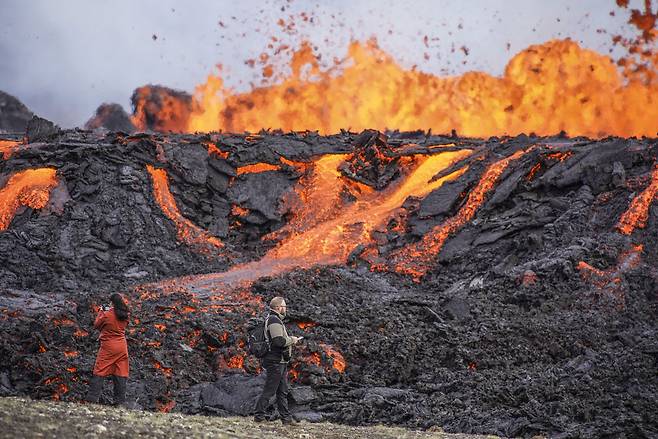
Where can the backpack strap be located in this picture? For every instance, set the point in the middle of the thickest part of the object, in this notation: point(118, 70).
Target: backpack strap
point(266, 329)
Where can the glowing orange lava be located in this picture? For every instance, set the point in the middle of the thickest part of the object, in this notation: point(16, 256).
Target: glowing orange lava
point(30, 188)
point(416, 259)
point(323, 229)
point(533, 171)
point(337, 359)
point(236, 362)
point(610, 280)
point(166, 371)
point(80, 333)
point(637, 214)
point(165, 407)
point(214, 150)
point(61, 390)
point(188, 232)
point(7, 147)
point(545, 89)
point(314, 358)
point(257, 168)
point(351, 225)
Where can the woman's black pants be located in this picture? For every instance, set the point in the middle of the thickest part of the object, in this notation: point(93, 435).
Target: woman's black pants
point(96, 387)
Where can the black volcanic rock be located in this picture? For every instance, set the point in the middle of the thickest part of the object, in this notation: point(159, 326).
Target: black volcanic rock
point(14, 116)
point(111, 117)
point(538, 317)
point(373, 162)
point(40, 130)
point(159, 108)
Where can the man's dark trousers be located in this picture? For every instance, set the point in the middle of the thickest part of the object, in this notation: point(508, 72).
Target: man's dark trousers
point(276, 381)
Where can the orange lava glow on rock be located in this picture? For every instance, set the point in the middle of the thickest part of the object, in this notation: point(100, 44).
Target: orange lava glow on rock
point(193, 337)
point(236, 362)
point(257, 168)
point(314, 358)
point(637, 214)
point(304, 325)
point(416, 259)
point(7, 147)
point(300, 166)
point(80, 333)
point(166, 371)
point(239, 211)
point(188, 232)
point(338, 361)
point(312, 240)
point(160, 327)
point(546, 88)
point(533, 171)
point(610, 280)
point(560, 156)
point(61, 390)
point(324, 229)
point(165, 407)
point(213, 150)
point(294, 374)
point(71, 354)
point(30, 188)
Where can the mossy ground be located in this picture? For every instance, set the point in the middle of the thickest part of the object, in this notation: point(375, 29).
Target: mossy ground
point(25, 418)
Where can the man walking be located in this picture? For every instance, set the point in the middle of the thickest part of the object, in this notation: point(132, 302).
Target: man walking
point(275, 363)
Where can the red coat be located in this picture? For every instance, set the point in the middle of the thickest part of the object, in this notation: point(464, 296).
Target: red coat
point(112, 358)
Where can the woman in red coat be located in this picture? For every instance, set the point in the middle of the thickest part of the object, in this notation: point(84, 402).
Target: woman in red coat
point(112, 358)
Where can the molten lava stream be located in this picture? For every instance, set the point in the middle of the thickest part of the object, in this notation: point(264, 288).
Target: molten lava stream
point(416, 259)
point(638, 212)
point(318, 197)
point(344, 228)
point(30, 188)
point(188, 233)
point(610, 280)
point(257, 168)
point(7, 148)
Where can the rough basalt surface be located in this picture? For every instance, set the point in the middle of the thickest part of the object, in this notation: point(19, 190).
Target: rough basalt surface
point(14, 115)
point(508, 333)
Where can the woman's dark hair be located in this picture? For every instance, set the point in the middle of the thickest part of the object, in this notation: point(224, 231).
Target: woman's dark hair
point(120, 308)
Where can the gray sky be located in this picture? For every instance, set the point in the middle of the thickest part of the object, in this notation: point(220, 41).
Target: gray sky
point(63, 58)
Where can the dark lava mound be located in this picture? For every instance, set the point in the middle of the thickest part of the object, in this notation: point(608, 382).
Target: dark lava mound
point(504, 286)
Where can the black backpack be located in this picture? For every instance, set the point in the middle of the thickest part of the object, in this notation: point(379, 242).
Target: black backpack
point(258, 342)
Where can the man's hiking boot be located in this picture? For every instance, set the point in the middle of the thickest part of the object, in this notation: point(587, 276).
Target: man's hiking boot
point(260, 419)
point(289, 421)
